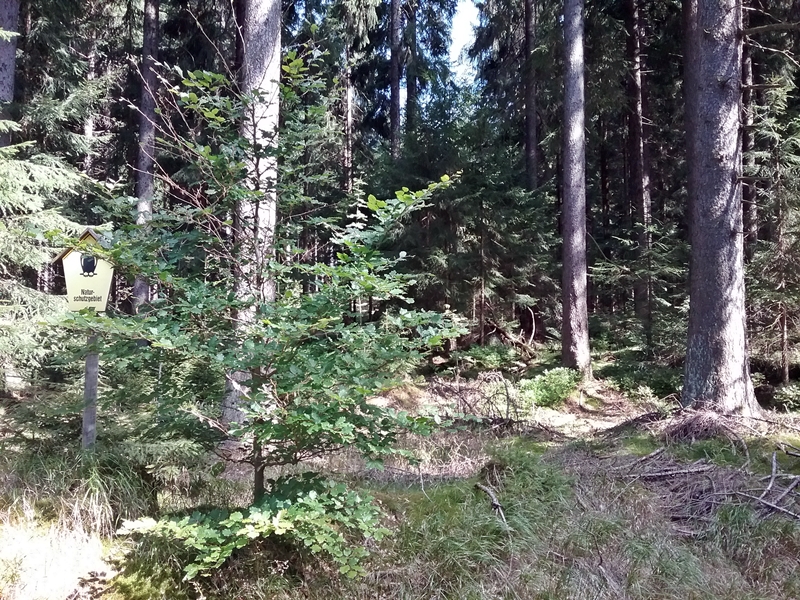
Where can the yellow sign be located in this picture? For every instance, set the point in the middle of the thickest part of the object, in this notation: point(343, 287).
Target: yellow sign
point(88, 277)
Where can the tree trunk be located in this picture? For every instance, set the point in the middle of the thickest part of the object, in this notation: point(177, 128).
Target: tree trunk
point(575, 326)
point(347, 149)
point(145, 160)
point(9, 17)
point(531, 141)
point(783, 259)
point(255, 217)
point(394, 80)
point(605, 185)
point(412, 90)
point(482, 306)
point(639, 169)
point(88, 124)
point(785, 350)
point(717, 372)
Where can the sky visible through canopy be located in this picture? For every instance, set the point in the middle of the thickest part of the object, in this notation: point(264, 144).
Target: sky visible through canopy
point(464, 23)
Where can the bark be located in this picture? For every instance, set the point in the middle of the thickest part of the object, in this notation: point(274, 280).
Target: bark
point(347, 150)
point(412, 90)
point(605, 185)
point(394, 80)
point(482, 307)
point(145, 160)
point(602, 299)
point(575, 326)
point(785, 350)
point(255, 217)
point(783, 261)
point(9, 17)
point(717, 372)
point(639, 175)
point(88, 124)
point(531, 141)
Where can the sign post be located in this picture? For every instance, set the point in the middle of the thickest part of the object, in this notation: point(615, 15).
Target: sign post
point(91, 376)
point(88, 279)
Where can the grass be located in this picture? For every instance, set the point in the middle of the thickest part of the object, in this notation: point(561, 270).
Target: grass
point(45, 562)
point(577, 525)
point(575, 528)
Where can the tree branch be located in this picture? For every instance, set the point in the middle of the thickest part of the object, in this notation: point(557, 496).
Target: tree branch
point(496, 506)
point(770, 28)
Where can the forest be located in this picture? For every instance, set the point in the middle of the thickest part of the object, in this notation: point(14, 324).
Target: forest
point(377, 299)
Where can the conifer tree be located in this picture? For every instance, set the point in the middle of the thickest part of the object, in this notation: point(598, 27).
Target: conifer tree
point(9, 15)
point(575, 324)
point(717, 373)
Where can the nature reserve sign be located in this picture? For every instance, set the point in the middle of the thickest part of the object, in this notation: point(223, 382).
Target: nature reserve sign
point(88, 277)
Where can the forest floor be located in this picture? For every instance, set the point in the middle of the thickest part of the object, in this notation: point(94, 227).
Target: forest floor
point(608, 496)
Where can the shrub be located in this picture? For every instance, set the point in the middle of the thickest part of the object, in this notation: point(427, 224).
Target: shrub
point(550, 388)
point(308, 511)
point(787, 397)
point(489, 358)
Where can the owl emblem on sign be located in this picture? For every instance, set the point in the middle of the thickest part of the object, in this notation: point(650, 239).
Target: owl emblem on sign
point(88, 265)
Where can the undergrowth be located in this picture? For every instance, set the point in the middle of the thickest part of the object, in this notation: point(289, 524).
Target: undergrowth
point(571, 527)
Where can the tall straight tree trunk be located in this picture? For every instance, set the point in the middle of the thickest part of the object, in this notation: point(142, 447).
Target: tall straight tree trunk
point(783, 316)
point(639, 169)
point(255, 217)
point(394, 80)
point(145, 158)
point(412, 87)
point(531, 140)
point(605, 185)
point(347, 149)
point(717, 372)
point(88, 124)
point(575, 326)
point(9, 17)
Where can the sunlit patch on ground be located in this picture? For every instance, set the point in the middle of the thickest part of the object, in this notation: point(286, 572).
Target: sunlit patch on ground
point(46, 562)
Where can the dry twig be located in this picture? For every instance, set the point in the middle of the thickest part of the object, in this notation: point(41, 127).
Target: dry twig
point(630, 465)
point(769, 504)
point(495, 503)
point(788, 489)
point(772, 478)
point(670, 473)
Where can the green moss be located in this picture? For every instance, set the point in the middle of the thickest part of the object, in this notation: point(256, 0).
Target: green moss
point(731, 453)
point(640, 444)
point(723, 452)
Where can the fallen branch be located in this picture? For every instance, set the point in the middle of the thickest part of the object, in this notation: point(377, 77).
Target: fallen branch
point(495, 503)
point(639, 460)
point(772, 478)
point(763, 420)
point(769, 504)
point(513, 340)
point(689, 532)
point(795, 451)
point(788, 489)
point(659, 474)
